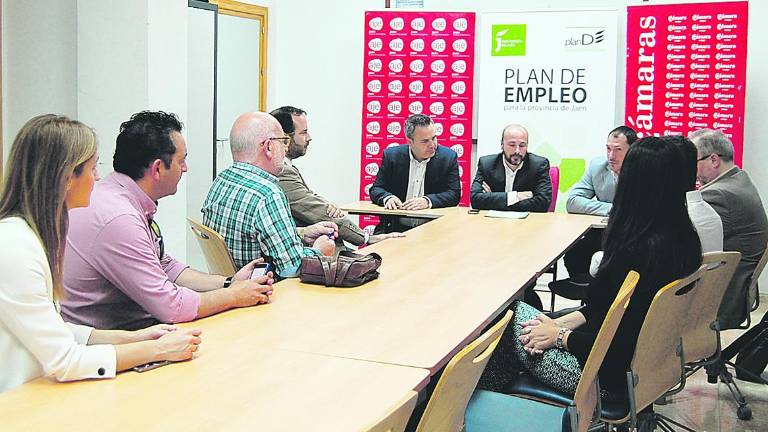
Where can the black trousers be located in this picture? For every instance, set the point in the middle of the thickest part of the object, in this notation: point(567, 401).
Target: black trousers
point(390, 224)
point(750, 338)
point(577, 259)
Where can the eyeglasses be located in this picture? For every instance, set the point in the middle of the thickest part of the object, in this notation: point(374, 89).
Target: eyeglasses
point(158, 236)
point(285, 139)
point(707, 157)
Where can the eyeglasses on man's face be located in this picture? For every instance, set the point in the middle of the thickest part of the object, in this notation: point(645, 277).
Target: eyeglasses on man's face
point(707, 157)
point(285, 139)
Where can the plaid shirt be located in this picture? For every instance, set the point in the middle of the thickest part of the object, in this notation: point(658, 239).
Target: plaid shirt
point(248, 208)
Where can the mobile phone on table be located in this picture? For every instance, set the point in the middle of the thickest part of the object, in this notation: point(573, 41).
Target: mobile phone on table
point(260, 270)
point(473, 211)
point(149, 366)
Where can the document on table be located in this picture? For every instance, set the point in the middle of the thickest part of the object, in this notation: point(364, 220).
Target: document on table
point(506, 214)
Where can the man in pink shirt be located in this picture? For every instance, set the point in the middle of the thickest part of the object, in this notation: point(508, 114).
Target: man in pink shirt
point(117, 274)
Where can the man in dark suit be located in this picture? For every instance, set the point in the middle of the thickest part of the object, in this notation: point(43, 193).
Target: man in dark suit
point(420, 175)
point(513, 179)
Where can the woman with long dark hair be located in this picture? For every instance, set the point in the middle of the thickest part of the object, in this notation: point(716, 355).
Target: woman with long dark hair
point(648, 231)
point(52, 168)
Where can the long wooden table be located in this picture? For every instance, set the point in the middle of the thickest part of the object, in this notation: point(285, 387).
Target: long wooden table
point(319, 358)
point(231, 386)
point(438, 288)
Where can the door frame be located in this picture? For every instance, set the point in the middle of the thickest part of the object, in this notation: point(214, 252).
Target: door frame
point(197, 4)
point(258, 13)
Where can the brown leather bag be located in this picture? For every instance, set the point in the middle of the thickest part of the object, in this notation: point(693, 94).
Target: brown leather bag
point(347, 270)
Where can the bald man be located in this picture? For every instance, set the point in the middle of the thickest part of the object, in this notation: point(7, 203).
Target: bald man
point(249, 209)
point(514, 179)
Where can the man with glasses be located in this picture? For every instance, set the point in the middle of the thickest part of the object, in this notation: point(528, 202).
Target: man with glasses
point(421, 175)
point(514, 179)
point(117, 273)
point(307, 206)
point(731, 193)
point(247, 207)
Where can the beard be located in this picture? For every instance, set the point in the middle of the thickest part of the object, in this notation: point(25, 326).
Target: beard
point(295, 150)
point(515, 159)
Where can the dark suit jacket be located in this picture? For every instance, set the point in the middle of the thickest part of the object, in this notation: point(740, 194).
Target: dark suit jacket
point(745, 229)
point(441, 181)
point(533, 176)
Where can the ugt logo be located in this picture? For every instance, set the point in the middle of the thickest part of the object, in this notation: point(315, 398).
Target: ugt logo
point(508, 40)
point(585, 39)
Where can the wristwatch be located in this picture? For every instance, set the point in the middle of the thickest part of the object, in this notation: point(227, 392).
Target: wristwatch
point(560, 335)
point(228, 282)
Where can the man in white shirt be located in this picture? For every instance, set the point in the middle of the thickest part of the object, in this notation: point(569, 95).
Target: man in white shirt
point(420, 175)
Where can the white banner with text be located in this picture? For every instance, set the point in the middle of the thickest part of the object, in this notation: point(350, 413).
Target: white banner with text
point(554, 72)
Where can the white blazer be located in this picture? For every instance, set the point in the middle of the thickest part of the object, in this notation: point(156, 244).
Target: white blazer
point(34, 339)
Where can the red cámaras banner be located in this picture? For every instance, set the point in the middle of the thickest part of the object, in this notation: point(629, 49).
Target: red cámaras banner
point(686, 69)
point(416, 63)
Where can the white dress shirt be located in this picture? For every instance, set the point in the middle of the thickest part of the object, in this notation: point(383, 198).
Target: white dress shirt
point(416, 172)
point(509, 183)
point(34, 340)
point(705, 220)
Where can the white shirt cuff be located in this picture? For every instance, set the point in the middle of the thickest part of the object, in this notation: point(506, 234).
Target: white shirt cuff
point(96, 361)
point(512, 198)
point(597, 258)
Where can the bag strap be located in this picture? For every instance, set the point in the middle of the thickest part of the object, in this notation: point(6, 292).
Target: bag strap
point(328, 272)
point(342, 270)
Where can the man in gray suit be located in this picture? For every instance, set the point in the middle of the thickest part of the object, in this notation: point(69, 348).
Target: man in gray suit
point(307, 207)
point(593, 195)
point(731, 193)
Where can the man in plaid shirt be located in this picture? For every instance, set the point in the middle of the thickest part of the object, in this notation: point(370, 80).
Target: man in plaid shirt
point(247, 207)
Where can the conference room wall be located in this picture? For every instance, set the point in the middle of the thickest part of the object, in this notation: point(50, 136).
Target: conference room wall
point(132, 56)
point(98, 61)
point(39, 62)
point(315, 62)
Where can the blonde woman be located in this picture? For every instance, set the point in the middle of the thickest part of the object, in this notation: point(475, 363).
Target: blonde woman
point(52, 168)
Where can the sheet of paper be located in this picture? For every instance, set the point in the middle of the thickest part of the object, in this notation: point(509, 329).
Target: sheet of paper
point(507, 214)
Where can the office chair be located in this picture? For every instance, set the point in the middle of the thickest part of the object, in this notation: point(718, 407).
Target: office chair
point(542, 409)
point(445, 410)
point(217, 256)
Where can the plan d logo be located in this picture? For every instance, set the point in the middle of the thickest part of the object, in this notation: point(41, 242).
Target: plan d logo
point(585, 39)
point(508, 40)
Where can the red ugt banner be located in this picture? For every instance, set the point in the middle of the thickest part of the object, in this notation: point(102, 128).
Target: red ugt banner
point(686, 69)
point(416, 62)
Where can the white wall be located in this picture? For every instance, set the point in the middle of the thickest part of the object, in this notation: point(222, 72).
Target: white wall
point(317, 64)
point(39, 62)
point(132, 57)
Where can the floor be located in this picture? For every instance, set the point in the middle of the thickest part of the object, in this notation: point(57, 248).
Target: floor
point(703, 406)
